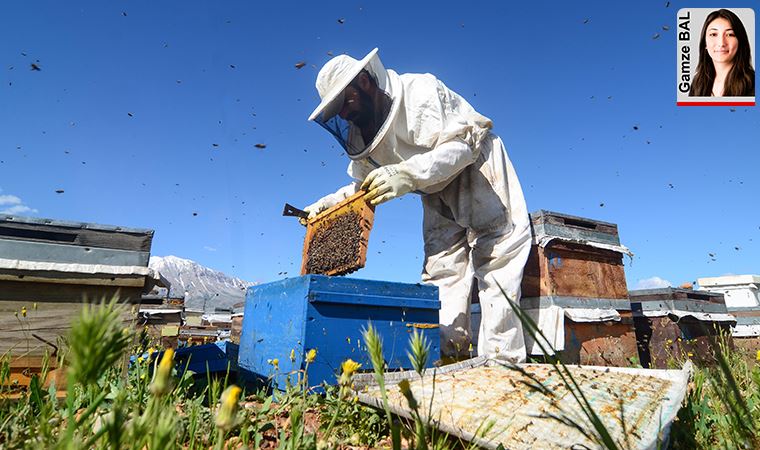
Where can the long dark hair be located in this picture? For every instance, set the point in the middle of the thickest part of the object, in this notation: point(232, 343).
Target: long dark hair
point(740, 80)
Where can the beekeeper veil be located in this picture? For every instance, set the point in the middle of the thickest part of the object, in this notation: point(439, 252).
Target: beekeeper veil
point(359, 119)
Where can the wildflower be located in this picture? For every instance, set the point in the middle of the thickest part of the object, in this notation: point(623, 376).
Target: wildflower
point(292, 355)
point(140, 359)
point(669, 341)
point(151, 350)
point(162, 378)
point(406, 390)
point(348, 367)
point(275, 363)
point(758, 356)
point(312, 354)
point(226, 417)
point(23, 311)
point(689, 354)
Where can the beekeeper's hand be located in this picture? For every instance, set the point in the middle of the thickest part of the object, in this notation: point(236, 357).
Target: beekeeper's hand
point(315, 208)
point(386, 183)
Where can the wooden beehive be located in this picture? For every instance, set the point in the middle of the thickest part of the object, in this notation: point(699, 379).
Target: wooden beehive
point(572, 265)
point(673, 324)
point(365, 214)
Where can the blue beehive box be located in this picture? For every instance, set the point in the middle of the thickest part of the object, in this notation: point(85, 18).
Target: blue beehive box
point(328, 314)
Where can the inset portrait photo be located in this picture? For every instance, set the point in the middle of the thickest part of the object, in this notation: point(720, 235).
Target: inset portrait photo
point(715, 50)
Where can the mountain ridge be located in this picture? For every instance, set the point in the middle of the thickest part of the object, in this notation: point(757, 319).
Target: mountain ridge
point(203, 288)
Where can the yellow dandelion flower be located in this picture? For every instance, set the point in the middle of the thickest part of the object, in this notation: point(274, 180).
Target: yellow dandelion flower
point(162, 377)
point(275, 363)
point(311, 355)
point(23, 311)
point(140, 359)
point(349, 366)
point(227, 415)
point(689, 354)
point(293, 355)
point(151, 350)
point(669, 341)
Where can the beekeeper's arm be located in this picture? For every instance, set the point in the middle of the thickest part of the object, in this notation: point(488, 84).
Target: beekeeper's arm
point(439, 119)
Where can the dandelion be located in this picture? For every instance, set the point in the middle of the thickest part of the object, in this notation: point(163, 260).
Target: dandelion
point(406, 391)
point(140, 359)
point(669, 341)
point(275, 363)
point(758, 356)
point(689, 354)
point(162, 378)
point(311, 355)
point(292, 355)
point(151, 350)
point(226, 418)
point(23, 311)
point(348, 367)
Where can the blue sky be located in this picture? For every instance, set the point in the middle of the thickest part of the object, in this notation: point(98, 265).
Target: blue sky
point(147, 113)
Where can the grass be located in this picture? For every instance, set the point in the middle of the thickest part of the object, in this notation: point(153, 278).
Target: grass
point(149, 407)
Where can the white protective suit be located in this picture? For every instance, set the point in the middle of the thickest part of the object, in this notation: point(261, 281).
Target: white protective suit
point(475, 219)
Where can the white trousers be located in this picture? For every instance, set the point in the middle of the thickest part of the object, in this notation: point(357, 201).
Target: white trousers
point(477, 228)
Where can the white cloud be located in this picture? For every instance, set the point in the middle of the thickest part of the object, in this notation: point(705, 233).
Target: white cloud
point(9, 200)
point(653, 283)
point(11, 204)
point(211, 249)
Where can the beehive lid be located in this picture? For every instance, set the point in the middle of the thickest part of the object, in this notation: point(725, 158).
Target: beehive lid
point(729, 281)
point(489, 404)
point(553, 224)
point(336, 239)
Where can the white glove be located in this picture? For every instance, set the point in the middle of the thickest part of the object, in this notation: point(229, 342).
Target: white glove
point(314, 209)
point(387, 182)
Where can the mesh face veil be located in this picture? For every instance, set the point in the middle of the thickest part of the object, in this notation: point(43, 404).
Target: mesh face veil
point(372, 112)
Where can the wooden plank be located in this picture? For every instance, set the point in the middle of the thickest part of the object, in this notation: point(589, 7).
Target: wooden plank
point(40, 330)
point(236, 329)
point(52, 292)
point(43, 251)
point(81, 234)
point(38, 276)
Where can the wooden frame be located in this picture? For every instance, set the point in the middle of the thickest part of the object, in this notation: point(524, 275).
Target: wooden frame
point(356, 203)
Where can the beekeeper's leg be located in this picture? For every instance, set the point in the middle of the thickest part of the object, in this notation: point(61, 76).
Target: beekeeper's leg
point(447, 266)
point(500, 238)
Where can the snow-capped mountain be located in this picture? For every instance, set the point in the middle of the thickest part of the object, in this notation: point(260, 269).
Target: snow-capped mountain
point(204, 287)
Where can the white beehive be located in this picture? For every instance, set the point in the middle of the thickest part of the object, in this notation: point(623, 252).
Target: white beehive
point(740, 291)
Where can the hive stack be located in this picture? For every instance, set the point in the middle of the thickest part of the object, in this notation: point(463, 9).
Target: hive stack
point(742, 297)
point(49, 267)
point(574, 288)
point(675, 324)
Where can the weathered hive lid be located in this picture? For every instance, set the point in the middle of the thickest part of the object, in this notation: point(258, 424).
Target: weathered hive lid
point(640, 295)
point(550, 224)
point(7, 219)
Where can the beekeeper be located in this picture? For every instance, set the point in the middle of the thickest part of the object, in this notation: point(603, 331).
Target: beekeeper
point(410, 133)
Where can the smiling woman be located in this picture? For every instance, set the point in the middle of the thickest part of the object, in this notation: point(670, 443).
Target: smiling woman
point(725, 58)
